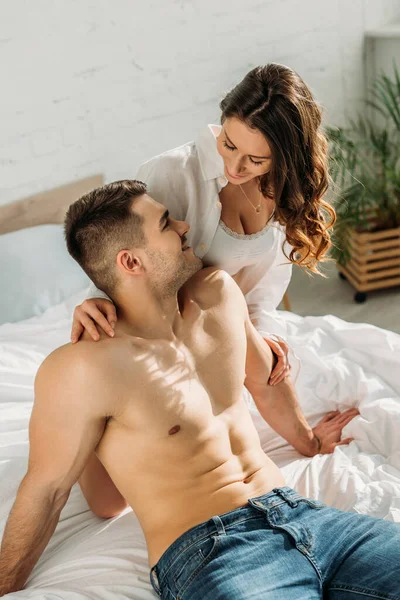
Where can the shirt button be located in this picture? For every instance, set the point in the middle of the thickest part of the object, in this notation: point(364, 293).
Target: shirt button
point(218, 205)
point(222, 180)
point(202, 246)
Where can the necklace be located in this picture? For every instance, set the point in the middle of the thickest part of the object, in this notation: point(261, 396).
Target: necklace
point(256, 208)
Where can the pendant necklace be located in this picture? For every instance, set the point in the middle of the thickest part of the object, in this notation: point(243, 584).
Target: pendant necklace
point(256, 208)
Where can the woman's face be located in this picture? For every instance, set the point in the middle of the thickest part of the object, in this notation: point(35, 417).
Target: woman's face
point(245, 151)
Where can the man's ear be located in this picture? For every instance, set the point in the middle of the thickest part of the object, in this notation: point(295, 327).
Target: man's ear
point(129, 262)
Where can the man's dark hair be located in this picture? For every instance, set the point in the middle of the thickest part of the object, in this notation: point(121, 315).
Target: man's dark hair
point(100, 224)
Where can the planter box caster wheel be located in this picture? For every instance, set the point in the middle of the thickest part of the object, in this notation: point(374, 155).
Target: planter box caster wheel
point(342, 276)
point(360, 297)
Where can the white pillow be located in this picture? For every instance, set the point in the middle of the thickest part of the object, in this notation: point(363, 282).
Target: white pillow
point(36, 272)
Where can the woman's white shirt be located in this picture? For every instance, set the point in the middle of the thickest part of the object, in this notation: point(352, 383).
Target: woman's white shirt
point(187, 181)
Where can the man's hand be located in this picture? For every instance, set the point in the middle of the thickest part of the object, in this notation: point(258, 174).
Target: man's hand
point(282, 368)
point(329, 429)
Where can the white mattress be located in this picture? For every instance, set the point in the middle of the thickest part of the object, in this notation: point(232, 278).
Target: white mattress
point(343, 365)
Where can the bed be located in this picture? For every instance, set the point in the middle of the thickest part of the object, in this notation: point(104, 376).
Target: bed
point(343, 365)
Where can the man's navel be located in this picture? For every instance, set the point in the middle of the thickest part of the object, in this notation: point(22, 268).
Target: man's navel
point(174, 429)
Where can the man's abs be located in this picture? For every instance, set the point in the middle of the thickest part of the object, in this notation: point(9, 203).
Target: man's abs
point(176, 481)
point(178, 512)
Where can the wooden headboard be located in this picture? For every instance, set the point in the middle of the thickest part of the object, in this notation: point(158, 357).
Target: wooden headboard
point(46, 207)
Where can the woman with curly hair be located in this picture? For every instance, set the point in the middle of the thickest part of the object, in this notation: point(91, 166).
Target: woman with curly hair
point(252, 190)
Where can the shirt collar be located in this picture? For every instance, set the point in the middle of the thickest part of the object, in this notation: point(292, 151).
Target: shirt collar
point(211, 162)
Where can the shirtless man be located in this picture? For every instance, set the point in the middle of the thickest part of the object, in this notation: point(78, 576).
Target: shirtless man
point(154, 418)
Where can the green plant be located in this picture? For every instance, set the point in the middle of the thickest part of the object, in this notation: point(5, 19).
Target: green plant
point(365, 166)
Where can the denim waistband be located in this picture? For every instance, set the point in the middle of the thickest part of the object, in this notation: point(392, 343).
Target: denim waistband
point(217, 525)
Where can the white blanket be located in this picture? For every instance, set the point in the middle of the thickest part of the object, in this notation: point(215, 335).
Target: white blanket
point(343, 365)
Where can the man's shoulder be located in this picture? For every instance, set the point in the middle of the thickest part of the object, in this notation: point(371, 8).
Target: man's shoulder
point(87, 374)
point(212, 286)
point(210, 276)
point(77, 363)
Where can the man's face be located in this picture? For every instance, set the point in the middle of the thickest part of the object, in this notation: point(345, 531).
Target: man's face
point(168, 258)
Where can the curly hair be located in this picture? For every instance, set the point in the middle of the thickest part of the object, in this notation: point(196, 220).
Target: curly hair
point(276, 101)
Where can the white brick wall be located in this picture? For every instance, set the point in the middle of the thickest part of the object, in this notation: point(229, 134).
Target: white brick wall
point(101, 85)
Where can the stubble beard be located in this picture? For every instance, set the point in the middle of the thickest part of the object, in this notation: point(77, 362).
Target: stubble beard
point(170, 274)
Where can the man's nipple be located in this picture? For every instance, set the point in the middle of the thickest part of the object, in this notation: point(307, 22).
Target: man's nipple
point(174, 429)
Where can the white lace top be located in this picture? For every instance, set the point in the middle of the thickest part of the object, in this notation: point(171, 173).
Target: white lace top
point(232, 251)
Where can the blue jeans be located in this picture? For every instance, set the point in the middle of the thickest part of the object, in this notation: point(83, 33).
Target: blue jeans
point(282, 546)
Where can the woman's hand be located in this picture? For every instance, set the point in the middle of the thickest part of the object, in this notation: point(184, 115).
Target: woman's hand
point(329, 429)
point(282, 368)
point(92, 312)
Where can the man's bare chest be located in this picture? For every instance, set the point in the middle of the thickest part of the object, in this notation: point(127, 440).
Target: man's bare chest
point(182, 385)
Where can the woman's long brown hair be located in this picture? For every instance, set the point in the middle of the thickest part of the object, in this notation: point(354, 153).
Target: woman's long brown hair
point(277, 102)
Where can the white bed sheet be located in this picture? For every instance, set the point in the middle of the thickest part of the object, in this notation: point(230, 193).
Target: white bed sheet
point(343, 365)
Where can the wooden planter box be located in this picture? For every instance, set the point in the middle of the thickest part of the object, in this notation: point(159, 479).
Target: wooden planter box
point(374, 262)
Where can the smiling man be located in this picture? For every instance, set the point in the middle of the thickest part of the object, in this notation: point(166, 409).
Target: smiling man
point(154, 418)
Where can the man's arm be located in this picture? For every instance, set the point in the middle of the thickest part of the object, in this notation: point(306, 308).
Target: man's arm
point(277, 404)
point(66, 425)
point(279, 407)
point(101, 494)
